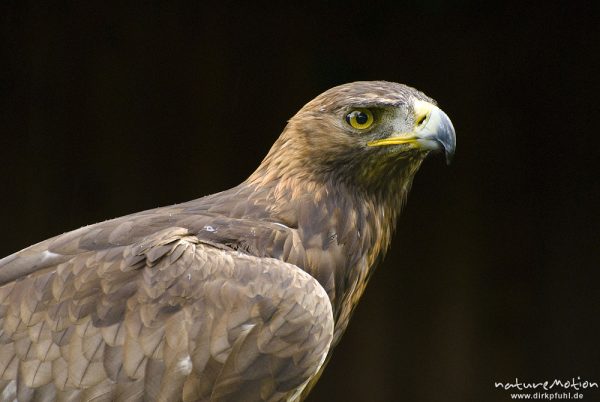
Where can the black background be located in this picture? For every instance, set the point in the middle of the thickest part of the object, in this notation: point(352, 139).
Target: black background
point(494, 271)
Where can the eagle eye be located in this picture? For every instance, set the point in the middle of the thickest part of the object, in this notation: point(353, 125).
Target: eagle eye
point(360, 119)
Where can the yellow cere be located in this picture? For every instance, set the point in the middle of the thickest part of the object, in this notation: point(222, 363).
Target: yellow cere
point(422, 111)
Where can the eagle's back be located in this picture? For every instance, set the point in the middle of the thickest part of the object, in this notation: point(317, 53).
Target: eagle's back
point(166, 304)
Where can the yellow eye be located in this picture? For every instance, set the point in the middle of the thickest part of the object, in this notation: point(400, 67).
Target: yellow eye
point(360, 118)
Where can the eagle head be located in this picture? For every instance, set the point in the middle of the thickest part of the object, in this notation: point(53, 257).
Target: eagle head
point(365, 134)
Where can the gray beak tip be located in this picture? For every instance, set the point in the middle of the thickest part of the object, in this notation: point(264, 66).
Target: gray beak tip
point(446, 136)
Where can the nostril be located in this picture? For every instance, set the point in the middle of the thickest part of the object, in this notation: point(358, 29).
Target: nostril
point(421, 119)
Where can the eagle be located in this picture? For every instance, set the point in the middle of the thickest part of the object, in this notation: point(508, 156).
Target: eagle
point(236, 296)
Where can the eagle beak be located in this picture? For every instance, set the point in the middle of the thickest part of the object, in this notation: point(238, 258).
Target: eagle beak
point(433, 132)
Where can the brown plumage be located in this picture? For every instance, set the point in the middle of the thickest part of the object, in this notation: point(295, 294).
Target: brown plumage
point(237, 296)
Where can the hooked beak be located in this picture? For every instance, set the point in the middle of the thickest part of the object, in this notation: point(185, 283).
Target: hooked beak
point(433, 132)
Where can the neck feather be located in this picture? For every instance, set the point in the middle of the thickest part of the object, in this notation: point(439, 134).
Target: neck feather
point(345, 226)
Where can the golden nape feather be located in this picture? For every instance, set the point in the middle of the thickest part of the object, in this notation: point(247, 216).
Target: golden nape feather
point(236, 296)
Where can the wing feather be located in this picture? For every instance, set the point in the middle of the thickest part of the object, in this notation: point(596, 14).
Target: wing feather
point(168, 317)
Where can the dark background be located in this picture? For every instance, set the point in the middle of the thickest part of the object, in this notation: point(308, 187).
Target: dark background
point(494, 271)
